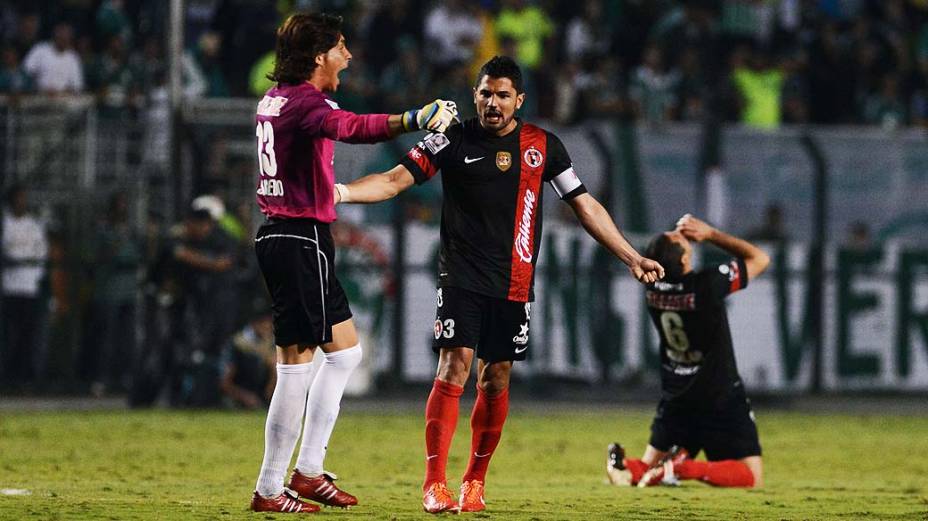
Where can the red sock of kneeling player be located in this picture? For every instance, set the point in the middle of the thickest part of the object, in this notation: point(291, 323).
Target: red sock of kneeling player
point(636, 467)
point(441, 418)
point(486, 423)
point(725, 473)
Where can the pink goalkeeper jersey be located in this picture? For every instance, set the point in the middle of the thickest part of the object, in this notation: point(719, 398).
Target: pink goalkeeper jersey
point(295, 128)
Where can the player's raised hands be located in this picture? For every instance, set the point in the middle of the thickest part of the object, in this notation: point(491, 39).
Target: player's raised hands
point(647, 271)
point(694, 229)
point(436, 116)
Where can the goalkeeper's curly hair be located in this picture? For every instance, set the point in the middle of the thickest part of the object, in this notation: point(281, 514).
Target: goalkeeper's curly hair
point(300, 39)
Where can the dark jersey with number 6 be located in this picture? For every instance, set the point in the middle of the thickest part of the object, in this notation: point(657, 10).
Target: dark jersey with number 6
point(697, 359)
point(491, 212)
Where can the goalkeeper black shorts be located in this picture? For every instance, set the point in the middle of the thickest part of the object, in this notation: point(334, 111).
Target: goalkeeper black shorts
point(297, 260)
point(497, 329)
point(726, 431)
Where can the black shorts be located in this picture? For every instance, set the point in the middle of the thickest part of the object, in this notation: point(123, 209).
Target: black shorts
point(726, 432)
point(297, 260)
point(497, 329)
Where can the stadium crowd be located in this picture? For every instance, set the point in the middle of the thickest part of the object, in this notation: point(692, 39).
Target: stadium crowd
point(658, 60)
point(653, 60)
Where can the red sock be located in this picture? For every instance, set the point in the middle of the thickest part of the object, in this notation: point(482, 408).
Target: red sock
point(441, 418)
point(486, 424)
point(636, 467)
point(725, 473)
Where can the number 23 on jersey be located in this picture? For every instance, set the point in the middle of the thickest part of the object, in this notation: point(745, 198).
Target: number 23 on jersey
point(267, 161)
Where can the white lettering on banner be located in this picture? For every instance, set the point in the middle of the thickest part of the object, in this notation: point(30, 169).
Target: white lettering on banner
point(524, 237)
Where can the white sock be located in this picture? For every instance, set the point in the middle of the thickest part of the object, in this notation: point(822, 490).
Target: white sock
point(322, 407)
point(283, 425)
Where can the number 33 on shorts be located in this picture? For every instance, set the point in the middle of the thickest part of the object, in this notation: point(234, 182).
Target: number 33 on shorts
point(444, 328)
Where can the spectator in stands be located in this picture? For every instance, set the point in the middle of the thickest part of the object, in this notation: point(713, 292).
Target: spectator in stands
point(653, 88)
point(772, 229)
point(886, 107)
point(27, 32)
point(24, 257)
point(760, 87)
point(795, 97)
point(13, 78)
point(602, 93)
point(114, 81)
point(110, 349)
point(149, 64)
point(587, 33)
point(393, 26)
point(203, 63)
point(452, 31)
point(112, 20)
point(248, 367)
point(54, 65)
point(691, 88)
point(530, 27)
point(407, 79)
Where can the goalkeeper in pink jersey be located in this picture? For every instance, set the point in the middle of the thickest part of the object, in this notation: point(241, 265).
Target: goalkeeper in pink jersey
point(296, 124)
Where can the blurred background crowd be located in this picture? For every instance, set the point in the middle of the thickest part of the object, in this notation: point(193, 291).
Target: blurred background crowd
point(763, 62)
point(150, 291)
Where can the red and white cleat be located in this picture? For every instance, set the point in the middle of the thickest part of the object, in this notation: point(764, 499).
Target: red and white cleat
point(286, 502)
point(472, 496)
point(438, 499)
point(321, 489)
point(662, 473)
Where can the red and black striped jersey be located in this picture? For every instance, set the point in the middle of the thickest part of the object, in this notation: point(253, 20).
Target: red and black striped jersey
point(491, 209)
point(697, 358)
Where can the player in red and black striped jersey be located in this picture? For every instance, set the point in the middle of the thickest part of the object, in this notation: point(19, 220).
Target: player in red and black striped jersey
point(492, 169)
point(703, 404)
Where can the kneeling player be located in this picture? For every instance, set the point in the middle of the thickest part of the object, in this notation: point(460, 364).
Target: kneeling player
point(703, 404)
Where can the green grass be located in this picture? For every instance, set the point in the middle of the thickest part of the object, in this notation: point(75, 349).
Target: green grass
point(203, 465)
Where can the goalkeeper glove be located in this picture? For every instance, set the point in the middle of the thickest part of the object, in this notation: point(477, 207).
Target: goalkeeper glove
point(435, 116)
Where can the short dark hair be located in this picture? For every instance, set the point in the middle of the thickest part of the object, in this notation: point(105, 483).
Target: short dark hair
point(668, 254)
point(501, 67)
point(300, 39)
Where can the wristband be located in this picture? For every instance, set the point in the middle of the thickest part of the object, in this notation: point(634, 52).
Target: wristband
point(343, 193)
point(409, 120)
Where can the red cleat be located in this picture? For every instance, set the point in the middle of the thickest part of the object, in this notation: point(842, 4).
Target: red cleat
point(321, 489)
point(286, 502)
point(662, 473)
point(472, 496)
point(438, 499)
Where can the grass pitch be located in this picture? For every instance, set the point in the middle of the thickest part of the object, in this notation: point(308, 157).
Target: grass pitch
point(202, 465)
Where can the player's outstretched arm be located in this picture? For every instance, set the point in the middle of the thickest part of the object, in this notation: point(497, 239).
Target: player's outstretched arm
point(597, 222)
point(348, 127)
point(698, 230)
point(375, 187)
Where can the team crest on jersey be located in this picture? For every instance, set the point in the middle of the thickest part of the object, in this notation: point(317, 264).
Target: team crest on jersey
point(503, 161)
point(533, 157)
point(435, 142)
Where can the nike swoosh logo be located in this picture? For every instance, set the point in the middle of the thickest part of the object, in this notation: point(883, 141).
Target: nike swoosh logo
point(468, 160)
point(432, 456)
point(482, 455)
point(520, 349)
